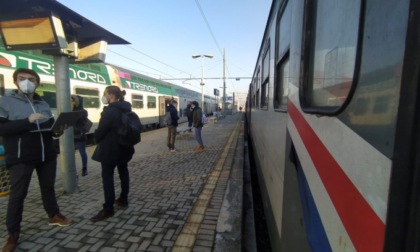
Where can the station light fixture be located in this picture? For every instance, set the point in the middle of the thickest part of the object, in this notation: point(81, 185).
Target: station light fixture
point(194, 56)
point(33, 33)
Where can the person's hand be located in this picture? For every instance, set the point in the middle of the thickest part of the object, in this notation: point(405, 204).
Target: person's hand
point(36, 116)
point(60, 131)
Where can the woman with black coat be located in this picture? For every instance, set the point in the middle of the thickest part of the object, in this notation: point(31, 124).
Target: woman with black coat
point(110, 153)
point(79, 133)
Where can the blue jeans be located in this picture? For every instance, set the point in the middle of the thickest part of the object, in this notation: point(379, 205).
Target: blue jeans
point(108, 184)
point(81, 146)
point(20, 178)
point(198, 136)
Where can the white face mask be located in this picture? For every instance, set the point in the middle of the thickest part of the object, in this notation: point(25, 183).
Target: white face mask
point(27, 86)
point(104, 100)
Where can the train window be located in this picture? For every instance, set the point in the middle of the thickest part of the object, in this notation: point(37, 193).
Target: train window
point(331, 43)
point(90, 97)
point(48, 94)
point(281, 85)
point(2, 90)
point(137, 101)
point(151, 102)
point(257, 94)
point(265, 78)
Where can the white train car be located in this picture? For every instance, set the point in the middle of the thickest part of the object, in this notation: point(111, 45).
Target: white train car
point(332, 116)
point(149, 97)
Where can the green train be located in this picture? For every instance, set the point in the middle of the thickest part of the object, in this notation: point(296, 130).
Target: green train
point(148, 96)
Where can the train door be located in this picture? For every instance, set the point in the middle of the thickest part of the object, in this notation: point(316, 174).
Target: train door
point(403, 216)
point(163, 104)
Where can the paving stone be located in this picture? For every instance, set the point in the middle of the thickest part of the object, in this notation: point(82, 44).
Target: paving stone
point(164, 188)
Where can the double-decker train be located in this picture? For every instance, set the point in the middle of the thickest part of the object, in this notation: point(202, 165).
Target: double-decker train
point(148, 96)
point(333, 122)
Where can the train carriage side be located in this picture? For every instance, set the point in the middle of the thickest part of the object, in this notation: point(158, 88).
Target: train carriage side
point(331, 110)
point(185, 96)
point(149, 97)
point(86, 80)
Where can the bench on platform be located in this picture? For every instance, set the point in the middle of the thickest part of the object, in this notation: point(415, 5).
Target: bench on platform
point(216, 117)
point(183, 132)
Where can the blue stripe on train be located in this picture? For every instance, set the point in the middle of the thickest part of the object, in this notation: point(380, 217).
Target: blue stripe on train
point(315, 231)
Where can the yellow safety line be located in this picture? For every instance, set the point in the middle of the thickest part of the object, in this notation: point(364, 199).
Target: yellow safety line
point(188, 235)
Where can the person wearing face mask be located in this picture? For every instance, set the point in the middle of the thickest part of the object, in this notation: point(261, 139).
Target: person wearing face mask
point(22, 111)
point(111, 154)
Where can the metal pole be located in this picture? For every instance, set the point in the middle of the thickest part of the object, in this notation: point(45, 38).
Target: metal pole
point(224, 83)
point(67, 159)
point(202, 83)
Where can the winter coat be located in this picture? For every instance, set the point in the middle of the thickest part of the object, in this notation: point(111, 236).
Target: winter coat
point(21, 145)
point(108, 151)
point(174, 115)
point(189, 111)
point(197, 117)
point(78, 132)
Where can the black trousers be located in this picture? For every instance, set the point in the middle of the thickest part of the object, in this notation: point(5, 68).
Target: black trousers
point(108, 183)
point(20, 178)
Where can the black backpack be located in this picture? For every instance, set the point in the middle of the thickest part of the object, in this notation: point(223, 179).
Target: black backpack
point(129, 134)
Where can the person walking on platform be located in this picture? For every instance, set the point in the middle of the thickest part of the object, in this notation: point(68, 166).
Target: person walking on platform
point(198, 125)
point(111, 154)
point(172, 109)
point(189, 115)
point(79, 131)
point(21, 112)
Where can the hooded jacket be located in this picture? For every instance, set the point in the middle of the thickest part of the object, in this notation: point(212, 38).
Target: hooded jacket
point(197, 116)
point(21, 145)
point(78, 106)
point(174, 115)
point(108, 150)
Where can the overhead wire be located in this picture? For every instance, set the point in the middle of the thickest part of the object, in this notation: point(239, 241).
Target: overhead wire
point(208, 26)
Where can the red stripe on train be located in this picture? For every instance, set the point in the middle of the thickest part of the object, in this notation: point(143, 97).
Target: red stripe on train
point(365, 228)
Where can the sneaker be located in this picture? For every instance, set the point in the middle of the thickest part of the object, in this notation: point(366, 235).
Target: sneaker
point(173, 150)
point(199, 149)
point(102, 215)
point(84, 172)
point(121, 203)
point(59, 220)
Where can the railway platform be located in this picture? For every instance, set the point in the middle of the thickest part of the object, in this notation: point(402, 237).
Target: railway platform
point(178, 201)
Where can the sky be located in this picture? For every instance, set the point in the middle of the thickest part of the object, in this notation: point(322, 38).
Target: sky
point(164, 34)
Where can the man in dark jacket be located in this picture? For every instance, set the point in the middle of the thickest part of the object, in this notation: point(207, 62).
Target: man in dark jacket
point(198, 125)
point(22, 111)
point(172, 109)
point(110, 153)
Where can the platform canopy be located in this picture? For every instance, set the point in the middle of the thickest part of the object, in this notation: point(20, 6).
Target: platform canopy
point(75, 27)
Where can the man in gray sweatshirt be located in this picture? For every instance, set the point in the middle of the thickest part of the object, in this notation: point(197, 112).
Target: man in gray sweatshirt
point(22, 111)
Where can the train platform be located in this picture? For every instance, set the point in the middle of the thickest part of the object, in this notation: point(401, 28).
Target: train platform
point(178, 201)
